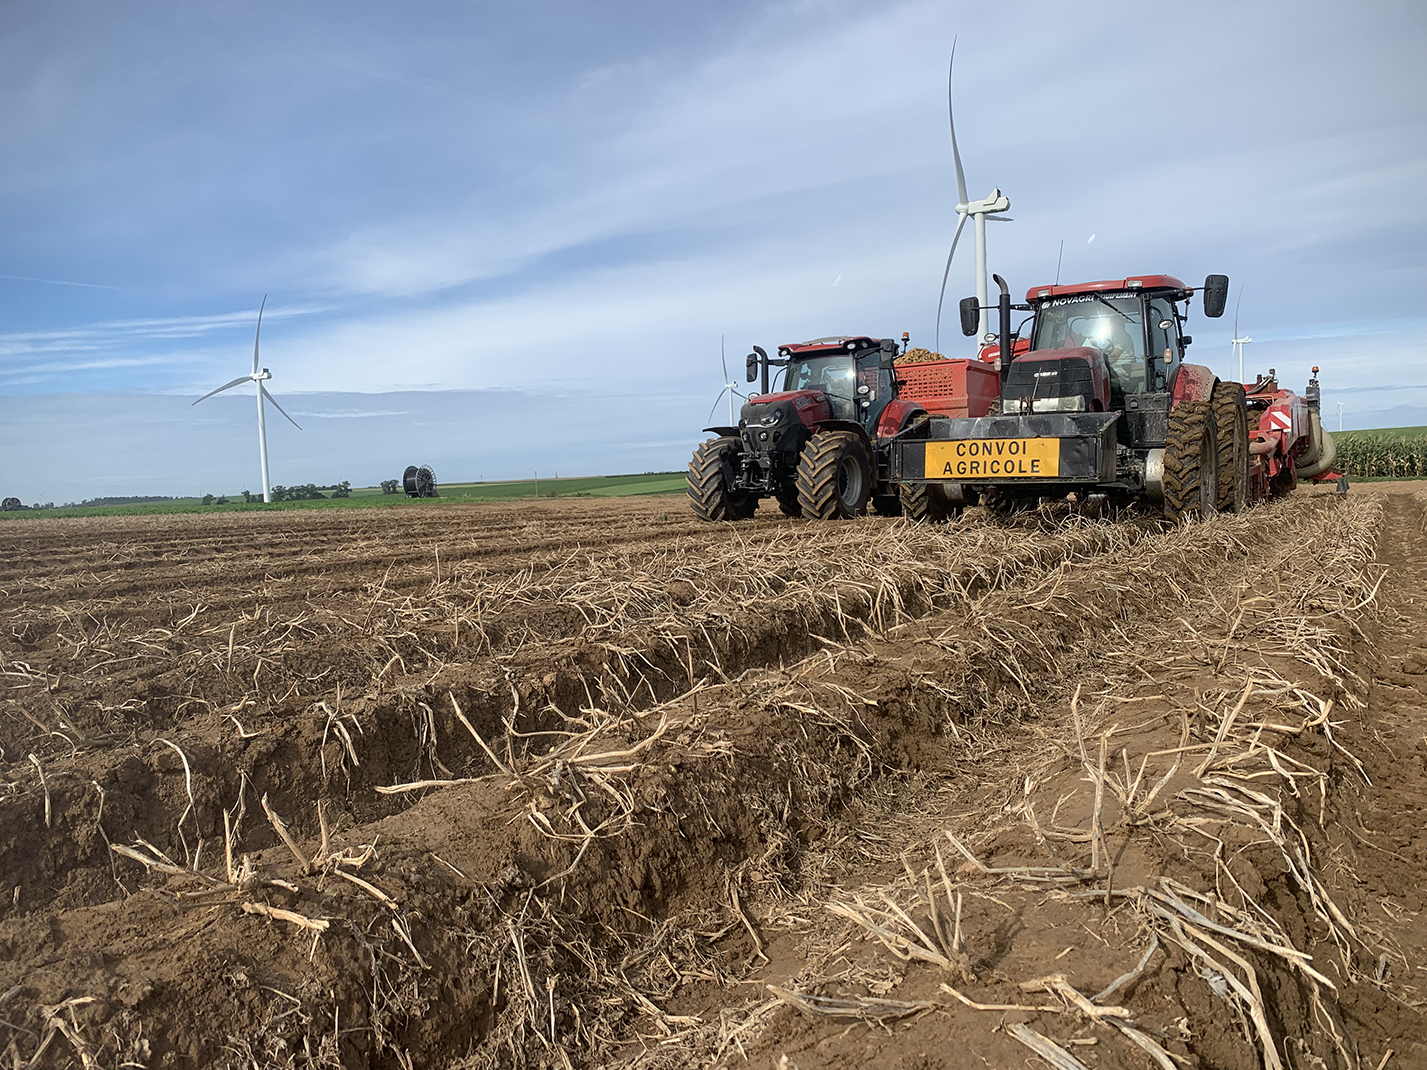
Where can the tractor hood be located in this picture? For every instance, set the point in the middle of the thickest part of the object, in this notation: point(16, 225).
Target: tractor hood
point(1071, 379)
point(1085, 354)
point(807, 407)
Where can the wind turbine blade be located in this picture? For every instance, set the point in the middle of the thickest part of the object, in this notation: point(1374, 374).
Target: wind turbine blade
point(951, 114)
point(226, 386)
point(258, 333)
point(278, 407)
point(1237, 303)
point(1001, 218)
point(944, 275)
point(722, 359)
point(714, 406)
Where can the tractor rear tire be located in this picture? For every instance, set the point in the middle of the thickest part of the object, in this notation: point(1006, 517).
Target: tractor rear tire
point(834, 476)
point(710, 495)
point(1231, 419)
point(926, 503)
point(1191, 462)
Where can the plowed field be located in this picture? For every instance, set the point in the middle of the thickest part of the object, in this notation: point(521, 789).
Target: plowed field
point(580, 784)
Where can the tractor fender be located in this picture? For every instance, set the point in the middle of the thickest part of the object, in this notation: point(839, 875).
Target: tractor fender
point(896, 416)
point(848, 425)
point(723, 432)
point(1192, 382)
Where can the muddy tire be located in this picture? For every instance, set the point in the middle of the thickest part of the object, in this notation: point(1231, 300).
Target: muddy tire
point(887, 504)
point(1191, 462)
point(710, 495)
point(788, 502)
point(1000, 502)
point(1231, 422)
point(834, 476)
point(926, 503)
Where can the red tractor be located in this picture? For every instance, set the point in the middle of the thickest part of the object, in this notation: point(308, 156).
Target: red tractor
point(820, 445)
point(1094, 405)
point(810, 445)
point(1100, 407)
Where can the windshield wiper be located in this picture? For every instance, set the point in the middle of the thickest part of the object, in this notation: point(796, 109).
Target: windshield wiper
point(1123, 315)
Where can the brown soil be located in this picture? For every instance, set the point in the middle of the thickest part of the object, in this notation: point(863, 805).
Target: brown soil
point(672, 794)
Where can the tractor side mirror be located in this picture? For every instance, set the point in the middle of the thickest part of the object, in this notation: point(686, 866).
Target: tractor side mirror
point(889, 353)
point(752, 366)
point(1216, 295)
point(970, 316)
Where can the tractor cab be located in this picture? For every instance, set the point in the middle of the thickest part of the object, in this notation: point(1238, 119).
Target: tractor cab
point(1095, 345)
point(849, 372)
point(840, 382)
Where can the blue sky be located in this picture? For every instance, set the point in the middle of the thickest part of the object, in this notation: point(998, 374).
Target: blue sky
point(508, 237)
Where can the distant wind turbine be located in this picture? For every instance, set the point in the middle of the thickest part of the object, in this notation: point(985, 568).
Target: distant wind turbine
point(987, 208)
point(1239, 343)
point(729, 386)
point(257, 377)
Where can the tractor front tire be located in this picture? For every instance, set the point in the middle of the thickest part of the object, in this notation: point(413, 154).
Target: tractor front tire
point(1231, 421)
point(1191, 462)
point(926, 503)
point(834, 477)
point(788, 502)
point(710, 495)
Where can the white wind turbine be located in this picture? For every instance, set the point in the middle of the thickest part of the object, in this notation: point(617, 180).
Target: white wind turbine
point(256, 378)
point(1239, 343)
point(729, 387)
point(982, 210)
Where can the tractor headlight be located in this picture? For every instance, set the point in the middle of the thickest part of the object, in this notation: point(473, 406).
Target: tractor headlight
point(1074, 403)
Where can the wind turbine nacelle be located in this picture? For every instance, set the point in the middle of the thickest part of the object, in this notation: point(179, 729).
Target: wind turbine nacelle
point(997, 202)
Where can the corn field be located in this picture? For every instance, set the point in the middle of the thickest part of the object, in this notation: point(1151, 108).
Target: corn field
point(1399, 452)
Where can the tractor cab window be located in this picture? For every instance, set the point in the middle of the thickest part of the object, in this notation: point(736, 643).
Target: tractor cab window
point(836, 376)
point(1115, 325)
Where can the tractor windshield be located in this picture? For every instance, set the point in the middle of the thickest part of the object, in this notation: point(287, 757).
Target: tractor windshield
point(1113, 324)
point(834, 375)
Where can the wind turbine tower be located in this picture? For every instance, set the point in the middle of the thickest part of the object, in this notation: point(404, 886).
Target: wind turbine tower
point(257, 378)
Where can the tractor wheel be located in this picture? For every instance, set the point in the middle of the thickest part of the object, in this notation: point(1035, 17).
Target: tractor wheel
point(1191, 462)
point(788, 502)
point(926, 503)
point(711, 498)
point(834, 476)
point(887, 504)
point(1231, 420)
point(1001, 503)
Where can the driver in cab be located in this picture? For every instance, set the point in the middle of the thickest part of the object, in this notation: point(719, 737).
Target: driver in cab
point(1109, 336)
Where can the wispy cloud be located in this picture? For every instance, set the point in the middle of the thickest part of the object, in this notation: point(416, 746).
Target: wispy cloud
point(64, 282)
